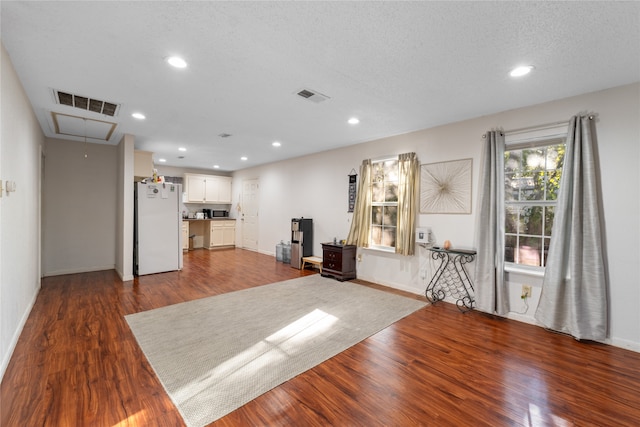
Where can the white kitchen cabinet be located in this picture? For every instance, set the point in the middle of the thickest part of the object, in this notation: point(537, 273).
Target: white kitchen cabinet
point(195, 188)
point(207, 188)
point(211, 193)
point(229, 233)
point(185, 235)
point(224, 189)
point(215, 238)
point(221, 233)
point(217, 189)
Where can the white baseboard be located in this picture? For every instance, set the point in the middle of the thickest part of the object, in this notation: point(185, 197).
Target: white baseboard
point(398, 286)
point(79, 270)
point(522, 318)
point(123, 277)
point(626, 344)
point(16, 335)
point(615, 342)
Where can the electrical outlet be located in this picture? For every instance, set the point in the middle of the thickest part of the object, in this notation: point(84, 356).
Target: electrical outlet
point(526, 291)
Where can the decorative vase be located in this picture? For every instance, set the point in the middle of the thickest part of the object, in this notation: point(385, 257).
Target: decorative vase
point(447, 244)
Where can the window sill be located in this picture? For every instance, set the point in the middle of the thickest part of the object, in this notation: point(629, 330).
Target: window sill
point(524, 269)
point(380, 249)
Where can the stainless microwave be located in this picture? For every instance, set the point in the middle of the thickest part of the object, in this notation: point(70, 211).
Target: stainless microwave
point(217, 213)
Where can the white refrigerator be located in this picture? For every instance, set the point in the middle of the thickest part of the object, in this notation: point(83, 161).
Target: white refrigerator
point(157, 228)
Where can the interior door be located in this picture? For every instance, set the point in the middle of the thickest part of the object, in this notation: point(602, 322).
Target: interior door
point(250, 197)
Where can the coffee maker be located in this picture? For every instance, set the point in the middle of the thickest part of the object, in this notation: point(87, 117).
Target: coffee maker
point(207, 213)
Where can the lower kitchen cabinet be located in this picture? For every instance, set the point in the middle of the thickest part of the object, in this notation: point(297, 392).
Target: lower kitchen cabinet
point(221, 233)
point(339, 261)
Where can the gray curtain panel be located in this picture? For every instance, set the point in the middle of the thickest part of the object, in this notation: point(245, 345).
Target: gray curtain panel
point(574, 290)
point(491, 294)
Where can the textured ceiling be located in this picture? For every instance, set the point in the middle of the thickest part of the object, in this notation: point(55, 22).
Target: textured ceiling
point(398, 66)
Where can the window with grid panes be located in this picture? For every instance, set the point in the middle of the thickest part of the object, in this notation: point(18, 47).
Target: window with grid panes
point(532, 180)
point(384, 204)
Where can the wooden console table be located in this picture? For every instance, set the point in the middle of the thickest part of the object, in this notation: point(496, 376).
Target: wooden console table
point(451, 278)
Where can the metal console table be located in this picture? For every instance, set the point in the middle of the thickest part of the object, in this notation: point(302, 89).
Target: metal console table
point(451, 278)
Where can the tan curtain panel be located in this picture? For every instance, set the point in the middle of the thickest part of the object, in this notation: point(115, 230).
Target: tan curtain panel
point(408, 184)
point(361, 222)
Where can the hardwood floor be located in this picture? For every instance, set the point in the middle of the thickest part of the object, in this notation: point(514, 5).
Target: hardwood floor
point(77, 363)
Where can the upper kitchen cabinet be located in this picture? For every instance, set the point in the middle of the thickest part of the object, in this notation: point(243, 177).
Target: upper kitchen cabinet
point(142, 165)
point(207, 188)
point(218, 189)
point(195, 188)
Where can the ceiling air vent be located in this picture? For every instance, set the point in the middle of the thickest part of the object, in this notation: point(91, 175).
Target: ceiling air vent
point(305, 93)
point(87, 104)
point(311, 95)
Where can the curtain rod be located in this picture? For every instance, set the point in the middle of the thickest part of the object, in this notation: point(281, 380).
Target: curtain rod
point(536, 127)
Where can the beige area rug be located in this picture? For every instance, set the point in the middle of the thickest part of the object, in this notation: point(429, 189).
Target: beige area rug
point(215, 354)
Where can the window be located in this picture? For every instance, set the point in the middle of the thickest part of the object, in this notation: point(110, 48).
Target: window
point(532, 180)
point(384, 204)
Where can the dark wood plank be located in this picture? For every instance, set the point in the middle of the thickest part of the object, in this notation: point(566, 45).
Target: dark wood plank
point(77, 363)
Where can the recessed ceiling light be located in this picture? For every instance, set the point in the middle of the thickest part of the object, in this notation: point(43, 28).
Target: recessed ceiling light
point(182, 149)
point(276, 144)
point(243, 158)
point(162, 160)
point(138, 116)
point(353, 121)
point(216, 166)
point(176, 61)
point(521, 71)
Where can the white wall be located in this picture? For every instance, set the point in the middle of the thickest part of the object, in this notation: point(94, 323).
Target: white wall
point(316, 187)
point(124, 210)
point(79, 205)
point(21, 141)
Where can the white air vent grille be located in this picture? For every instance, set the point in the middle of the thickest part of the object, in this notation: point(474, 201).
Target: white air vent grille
point(86, 103)
point(312, 95)
point(305, 93)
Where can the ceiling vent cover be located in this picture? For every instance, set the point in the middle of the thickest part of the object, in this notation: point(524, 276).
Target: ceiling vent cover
point(312, 95)
point(86, 103)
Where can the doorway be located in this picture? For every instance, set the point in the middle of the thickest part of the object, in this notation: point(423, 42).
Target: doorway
point(249, 217)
